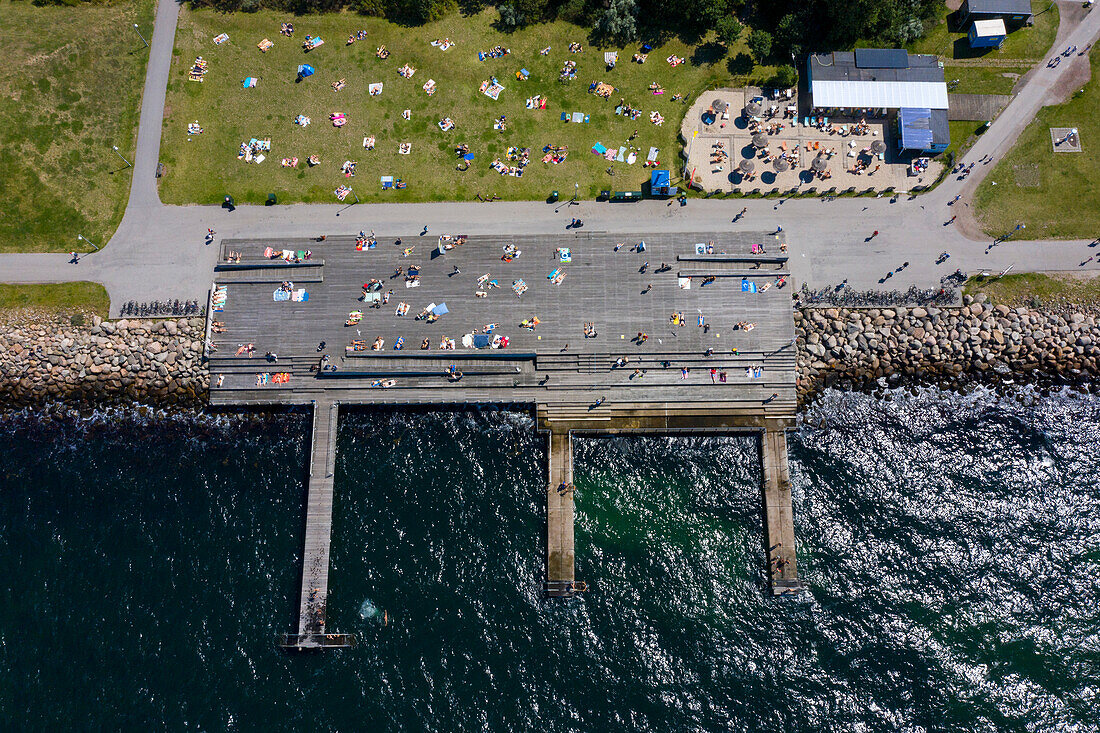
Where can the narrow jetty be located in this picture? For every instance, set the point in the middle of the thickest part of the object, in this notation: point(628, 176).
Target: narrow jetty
point(778, 512)
point(312, 633)
point(559, 518)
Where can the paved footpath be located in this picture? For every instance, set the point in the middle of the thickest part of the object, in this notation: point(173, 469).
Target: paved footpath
point(159, 251)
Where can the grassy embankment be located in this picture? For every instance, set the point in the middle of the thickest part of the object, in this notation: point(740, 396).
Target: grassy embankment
point(202, 168)
point(85, 297)
point(1057, 195)
point(1038, 289)
point(70, 89)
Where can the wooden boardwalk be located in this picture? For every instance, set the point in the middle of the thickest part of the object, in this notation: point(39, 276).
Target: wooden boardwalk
point(778, 513)
point(313, 607)
point(559, 517)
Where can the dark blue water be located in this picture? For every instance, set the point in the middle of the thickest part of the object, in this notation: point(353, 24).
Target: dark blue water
point(951, 545)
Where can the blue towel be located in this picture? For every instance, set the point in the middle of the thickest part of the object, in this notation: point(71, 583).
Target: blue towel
point(565, 117)
point(748, 287)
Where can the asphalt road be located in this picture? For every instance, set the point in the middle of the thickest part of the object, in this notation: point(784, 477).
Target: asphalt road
point(159, 252)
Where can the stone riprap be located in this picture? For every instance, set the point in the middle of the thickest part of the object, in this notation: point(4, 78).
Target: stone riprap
point(46, 358)
point(855, 347)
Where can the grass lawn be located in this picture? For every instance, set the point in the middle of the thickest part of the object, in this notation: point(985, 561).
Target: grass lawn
point(76, 296)
point(1025, 43)
point(1036, 288)
point(202, 168)
point(1057, 195)
point(69, 90)
point(983, 79)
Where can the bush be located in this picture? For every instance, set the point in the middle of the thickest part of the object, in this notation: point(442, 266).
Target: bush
point(785, 76)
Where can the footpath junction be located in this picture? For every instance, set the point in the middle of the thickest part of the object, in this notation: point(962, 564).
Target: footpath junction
point(600, 334)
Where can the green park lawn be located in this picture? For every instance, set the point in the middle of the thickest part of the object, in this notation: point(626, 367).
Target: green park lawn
point(1026, 43)
point(85, 297)
point(1057, 195)
point(203, 168)
point(70, 89)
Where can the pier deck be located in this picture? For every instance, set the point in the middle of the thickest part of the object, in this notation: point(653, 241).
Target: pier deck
point(719, 355)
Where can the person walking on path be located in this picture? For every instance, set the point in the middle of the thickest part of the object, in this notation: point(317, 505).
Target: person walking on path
point(74, 258)
point(954, 200)
point(873, 234)
point(952, 220)
point(778, 228)
point(425, 230)
point(455, 271)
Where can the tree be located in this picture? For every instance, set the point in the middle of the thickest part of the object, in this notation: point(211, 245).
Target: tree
point(620, 20)
point(729, 30)
point(510, 18)
point(760, 43)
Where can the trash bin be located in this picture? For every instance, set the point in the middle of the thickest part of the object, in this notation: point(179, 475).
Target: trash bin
point(271, 200)
point(553, 197)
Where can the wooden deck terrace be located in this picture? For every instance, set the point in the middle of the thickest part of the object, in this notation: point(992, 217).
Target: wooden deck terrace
point(683, 378)
point(553, 365)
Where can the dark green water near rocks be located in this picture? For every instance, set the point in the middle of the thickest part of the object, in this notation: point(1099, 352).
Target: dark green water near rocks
point(951, 545)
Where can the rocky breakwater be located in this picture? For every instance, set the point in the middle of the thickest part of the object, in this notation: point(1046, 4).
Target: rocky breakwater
point(51, 358)
point(857, 347)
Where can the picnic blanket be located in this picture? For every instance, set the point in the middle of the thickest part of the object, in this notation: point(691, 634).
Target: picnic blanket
point(579, 117)
point(652, 157)
point(221, 38)
point(264, 45)
point(374, 89)
point(249, 82)
point(280, 296)
point(599, 149)
point(299, 296)
point(747, 286)
point(493, 91)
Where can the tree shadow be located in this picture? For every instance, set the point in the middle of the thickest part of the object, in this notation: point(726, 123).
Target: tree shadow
point(708, 54)
point(740, 65)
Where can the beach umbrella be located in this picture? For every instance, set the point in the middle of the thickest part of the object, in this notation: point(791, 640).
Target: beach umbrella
point(760, 140)
point(305, 70)
point(878, 147)
point(468, 156)
point(752, 109)
point(718, 105)
point(819, 164)
point(781, 164)
point(746, 166)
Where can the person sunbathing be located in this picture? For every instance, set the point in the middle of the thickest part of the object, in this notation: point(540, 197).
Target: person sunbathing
point(378, 344)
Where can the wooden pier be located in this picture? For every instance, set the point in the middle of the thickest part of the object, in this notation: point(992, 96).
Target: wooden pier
point(560, 581)
point(778, 513)
point(646, 333)
point(313, 607)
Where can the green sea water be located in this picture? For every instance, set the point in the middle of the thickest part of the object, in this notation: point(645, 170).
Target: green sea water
point(949, 542)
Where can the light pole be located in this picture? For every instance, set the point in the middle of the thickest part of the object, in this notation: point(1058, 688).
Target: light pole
point(128, 163)
point(141, 36)
point(85, 239)
point(356, 196)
